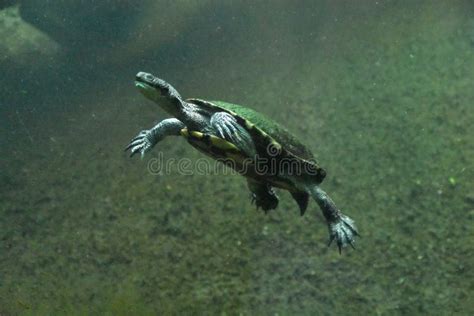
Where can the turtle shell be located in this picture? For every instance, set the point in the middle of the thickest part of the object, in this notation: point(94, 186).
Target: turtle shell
point(271, 140)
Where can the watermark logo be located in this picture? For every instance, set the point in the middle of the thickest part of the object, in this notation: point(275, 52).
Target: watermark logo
point(274, 150)
point(271, 165)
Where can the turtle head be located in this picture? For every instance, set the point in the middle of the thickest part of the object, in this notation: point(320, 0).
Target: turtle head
point(159, 91)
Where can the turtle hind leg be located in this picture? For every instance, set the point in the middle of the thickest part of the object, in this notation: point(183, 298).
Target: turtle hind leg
point(263, 195)
point(342, 228)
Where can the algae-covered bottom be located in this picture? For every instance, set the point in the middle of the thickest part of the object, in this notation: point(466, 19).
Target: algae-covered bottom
point(384, 99)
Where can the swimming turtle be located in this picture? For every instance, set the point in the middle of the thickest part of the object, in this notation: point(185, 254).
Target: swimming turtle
point(250, 143)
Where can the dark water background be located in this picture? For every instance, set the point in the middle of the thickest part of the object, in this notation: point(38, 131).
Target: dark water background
point(381, 91)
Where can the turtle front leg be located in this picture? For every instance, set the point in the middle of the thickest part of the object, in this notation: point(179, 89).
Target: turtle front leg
point(224, 125)
point(147, 139)
point(263, 195)
point(341, 227)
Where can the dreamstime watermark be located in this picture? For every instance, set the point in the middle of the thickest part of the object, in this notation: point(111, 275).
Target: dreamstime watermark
point(270, 164)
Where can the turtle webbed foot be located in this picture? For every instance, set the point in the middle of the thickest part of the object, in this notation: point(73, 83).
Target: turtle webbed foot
point(263, 195)
point(343, 231)
point(267, 202)
point(142, 143)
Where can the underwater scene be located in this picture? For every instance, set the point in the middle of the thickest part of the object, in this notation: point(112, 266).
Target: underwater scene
point(372, 101)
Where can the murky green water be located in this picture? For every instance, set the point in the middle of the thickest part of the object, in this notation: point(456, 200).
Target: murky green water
point(381, 92)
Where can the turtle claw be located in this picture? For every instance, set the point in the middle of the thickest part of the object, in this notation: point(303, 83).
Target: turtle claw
point(352, 244)
point(343, 231)
point(142, 143)
point(266, 203)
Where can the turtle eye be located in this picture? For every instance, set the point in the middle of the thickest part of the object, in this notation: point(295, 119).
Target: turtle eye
point(144, 77)
point(149, 78)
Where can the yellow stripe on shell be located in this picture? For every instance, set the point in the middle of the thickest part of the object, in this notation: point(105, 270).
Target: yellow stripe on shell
point(223, 144)
point(196, 134)
point(184, 132)
point(214, 140)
